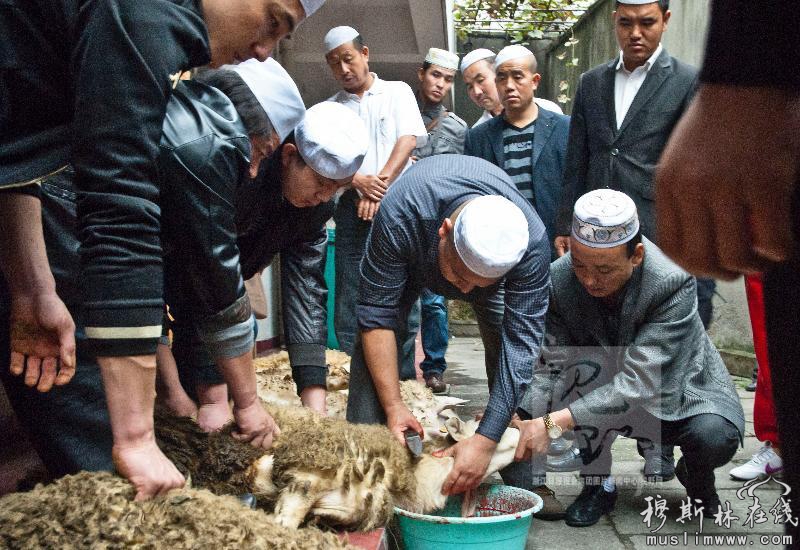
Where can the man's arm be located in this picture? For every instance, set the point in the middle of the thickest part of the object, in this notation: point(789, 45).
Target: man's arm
point(384, 275)
point(398, 159)
point(42, 330)
point(576, 166)
point(746, 118)
point(117, 125)
point(304, 296)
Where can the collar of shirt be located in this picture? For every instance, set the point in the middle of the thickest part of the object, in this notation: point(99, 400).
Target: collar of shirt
point(647, 64)
point(376, 88)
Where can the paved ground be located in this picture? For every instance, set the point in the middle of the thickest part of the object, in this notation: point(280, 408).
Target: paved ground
point(624, 528)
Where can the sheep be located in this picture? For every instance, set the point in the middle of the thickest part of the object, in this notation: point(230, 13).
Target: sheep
point(275, 383)
point(340, 474)
point(96, 510)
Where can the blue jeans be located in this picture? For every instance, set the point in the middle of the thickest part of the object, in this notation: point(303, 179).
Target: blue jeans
point(434, 333)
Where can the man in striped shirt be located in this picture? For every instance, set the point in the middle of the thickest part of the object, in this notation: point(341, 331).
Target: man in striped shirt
point(528, 142)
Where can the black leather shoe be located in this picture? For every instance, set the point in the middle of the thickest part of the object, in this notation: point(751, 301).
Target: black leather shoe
point(248, 499)
point(658, 466)
point(593, 503)
point(659, 461)
point(751, 386)
point(709, 500)
point(570, 461)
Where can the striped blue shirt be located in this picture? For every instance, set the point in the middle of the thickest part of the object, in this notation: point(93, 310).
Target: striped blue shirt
point(517, 153)
point(402, 258)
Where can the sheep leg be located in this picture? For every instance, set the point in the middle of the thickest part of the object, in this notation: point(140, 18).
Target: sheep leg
point(294, 503)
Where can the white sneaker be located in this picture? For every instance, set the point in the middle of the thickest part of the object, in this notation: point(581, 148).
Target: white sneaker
point(765, 462)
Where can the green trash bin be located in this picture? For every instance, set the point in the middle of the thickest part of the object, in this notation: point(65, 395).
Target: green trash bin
point(330, 280)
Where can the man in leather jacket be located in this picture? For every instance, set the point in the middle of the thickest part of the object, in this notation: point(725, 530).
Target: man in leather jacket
point(86, 84)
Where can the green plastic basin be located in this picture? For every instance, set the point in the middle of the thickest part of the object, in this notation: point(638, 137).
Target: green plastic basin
point(501, 522)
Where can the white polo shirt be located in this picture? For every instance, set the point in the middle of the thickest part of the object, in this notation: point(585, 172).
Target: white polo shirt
point(389, 110)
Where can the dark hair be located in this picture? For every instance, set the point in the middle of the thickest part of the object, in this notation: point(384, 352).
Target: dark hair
point(358, 42)
point(426, 65)
point(663, 4)
point(630, 246)
point(254, 118)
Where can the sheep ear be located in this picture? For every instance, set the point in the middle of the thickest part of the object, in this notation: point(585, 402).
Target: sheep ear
point(447, 402)
point(456, 428)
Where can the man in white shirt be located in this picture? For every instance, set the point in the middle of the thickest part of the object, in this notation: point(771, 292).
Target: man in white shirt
point(477, 70)
point(622, 116)
point(389, 110)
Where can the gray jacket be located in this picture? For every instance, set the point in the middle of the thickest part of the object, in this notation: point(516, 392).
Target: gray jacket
point(600, 155)
point(446, 133)
point(653, 351)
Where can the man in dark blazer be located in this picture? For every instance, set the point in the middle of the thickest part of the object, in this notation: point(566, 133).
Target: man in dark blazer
point(528, 142)
point(623, 114)
point(625, 352)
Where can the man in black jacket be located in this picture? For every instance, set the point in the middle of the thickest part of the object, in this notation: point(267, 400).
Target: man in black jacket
point(88, 86)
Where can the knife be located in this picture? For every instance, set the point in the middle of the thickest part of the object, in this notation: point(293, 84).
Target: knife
point(413, 442)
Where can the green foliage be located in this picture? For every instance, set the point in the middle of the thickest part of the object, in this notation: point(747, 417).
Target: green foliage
point(521, 20)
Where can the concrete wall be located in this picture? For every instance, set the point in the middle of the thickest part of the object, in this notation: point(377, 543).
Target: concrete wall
point(397, 32)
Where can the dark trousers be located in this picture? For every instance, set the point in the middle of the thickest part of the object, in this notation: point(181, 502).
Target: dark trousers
point(435, 334)
point(68, 426)
point(782, 303)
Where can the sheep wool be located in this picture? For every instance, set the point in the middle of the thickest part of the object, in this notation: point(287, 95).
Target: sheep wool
point(96, 510)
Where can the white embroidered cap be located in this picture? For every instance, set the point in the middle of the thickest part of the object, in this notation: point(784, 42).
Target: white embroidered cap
point(637, 2)
point(491, 235)
point(604, 218)
point(310, 6)
point(474, 56)
point(442, 58)
point(509, 53)
point(275, 91)
point(332, 140)
point(338, 36)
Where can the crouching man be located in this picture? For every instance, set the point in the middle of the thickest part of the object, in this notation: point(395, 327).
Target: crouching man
point(457, 226)
point(626, 353)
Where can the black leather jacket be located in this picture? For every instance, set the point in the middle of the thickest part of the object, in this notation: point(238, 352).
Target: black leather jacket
point(269, 225)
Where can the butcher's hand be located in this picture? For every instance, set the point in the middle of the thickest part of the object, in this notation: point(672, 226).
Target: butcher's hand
point(145, 466)
point(472, 457)
point(561, 245)
point(255, 425)
point(725, 181)
point(42, 340)
point(533, 438)
point(370, 186)
point(366, 209)
point(399, 419)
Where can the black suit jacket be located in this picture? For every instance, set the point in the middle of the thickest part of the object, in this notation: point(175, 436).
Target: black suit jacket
point(600, 155)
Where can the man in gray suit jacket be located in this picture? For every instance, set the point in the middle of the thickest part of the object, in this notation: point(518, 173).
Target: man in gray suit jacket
point(626, 353)
point(528, 142)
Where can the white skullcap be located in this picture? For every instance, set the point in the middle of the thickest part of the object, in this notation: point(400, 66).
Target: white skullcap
point(443, 58)
point(338, 36)
point(515, 51)
point(491, 235)
point(332, 140)
point(275, 91)
point(310, 6)
point(604, 218)
point(637, 2)
point(474, 56)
